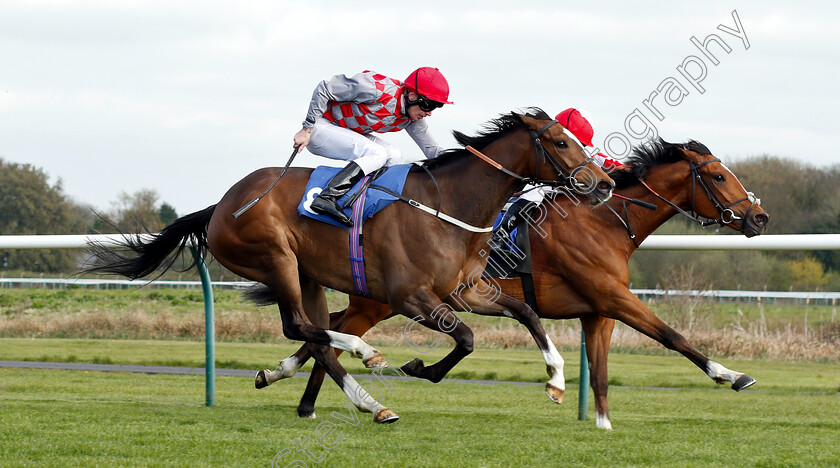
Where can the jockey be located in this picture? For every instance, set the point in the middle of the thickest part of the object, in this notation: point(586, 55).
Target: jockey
point(574, 120)
point(345, 112)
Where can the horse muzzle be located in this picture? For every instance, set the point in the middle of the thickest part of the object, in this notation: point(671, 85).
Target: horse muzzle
point(584, 181)
point(756, 224)
point(602, 192)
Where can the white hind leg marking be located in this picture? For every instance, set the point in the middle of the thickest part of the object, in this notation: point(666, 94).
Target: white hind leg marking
point(554, 362)
point(352, 344)
point(720, 374)
point(602, 421)
point(286, 368)
point(360, 397)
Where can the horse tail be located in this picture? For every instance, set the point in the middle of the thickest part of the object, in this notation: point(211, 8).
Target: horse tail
point(148, 252)
point(260, 295)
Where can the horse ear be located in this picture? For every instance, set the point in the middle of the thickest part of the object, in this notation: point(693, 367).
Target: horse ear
point(529, 121)
point(668, 147)
point(462, 139)
point(679, 150)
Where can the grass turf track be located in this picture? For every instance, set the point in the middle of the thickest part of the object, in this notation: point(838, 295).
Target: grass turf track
point(68, 418)
point(524, 365)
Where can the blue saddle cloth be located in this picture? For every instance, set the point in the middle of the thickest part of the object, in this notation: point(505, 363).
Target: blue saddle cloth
point(393, 178)
point(509, 257)
point(498, 221)
point(515, 232)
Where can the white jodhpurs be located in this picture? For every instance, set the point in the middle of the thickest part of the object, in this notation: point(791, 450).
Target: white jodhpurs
point(334, 142)
point(535, 193)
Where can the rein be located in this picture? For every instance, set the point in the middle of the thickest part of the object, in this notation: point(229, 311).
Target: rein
point(567, 178)
point(625, 220)
point(727, 216)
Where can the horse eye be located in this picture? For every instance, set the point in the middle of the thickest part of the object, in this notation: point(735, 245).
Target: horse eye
point(562, 144)
point(719, 178)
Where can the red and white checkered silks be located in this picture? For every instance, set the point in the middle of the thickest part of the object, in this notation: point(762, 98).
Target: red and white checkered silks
point(380, 116)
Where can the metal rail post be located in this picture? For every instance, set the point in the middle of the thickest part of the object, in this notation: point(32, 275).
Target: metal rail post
point(583, 391)
point(209, 333)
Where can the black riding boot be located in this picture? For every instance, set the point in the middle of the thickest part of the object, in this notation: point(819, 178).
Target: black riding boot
point(517, 211)
point(327, 201)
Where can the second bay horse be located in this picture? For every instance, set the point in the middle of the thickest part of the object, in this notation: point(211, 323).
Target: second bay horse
point(580, 260)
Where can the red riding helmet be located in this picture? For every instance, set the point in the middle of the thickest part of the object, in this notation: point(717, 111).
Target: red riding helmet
point(430, 83)
point(573, 120)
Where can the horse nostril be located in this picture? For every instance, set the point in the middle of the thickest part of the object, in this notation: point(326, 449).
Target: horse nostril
point(605, 185)
point(761, 219)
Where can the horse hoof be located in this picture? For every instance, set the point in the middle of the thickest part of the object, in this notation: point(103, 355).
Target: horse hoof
point(306, 411)
point(554, 393)
point(376, 361)
point(413, 367)
point(385, 416)
point(260, 381)
point(743, 382)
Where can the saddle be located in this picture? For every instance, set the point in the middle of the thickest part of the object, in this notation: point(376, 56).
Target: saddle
point(392, 178)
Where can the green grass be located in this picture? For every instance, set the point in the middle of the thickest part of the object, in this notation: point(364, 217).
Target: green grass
point(524, 365)
point(72, 418)
point(76, 418)
point(723, 314)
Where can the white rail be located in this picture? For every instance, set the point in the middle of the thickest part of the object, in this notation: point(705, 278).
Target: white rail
point(97, 282)
point(734, 242)
point(786, 297)
point(61, 283)
point(45, 241)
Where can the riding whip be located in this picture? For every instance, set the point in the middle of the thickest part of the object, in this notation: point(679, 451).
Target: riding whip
point(253, 202)
point(647, 205)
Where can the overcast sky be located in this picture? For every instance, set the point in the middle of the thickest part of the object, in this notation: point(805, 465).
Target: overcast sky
point(187, 97)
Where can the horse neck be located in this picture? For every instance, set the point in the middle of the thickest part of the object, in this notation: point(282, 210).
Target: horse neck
point(672, 182)
point(474, 191)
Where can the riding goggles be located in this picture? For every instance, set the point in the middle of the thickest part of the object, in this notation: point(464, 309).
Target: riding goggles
point(425, 104)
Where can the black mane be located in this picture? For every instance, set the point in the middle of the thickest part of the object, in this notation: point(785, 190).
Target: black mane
point(652, 154)
point(490, 131)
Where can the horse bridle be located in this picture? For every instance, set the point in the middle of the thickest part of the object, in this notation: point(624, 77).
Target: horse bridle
point(727, 216)
point(567, 178)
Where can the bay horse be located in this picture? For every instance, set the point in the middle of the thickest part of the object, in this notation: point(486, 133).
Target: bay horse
point(413, 260)
point(580, 259)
